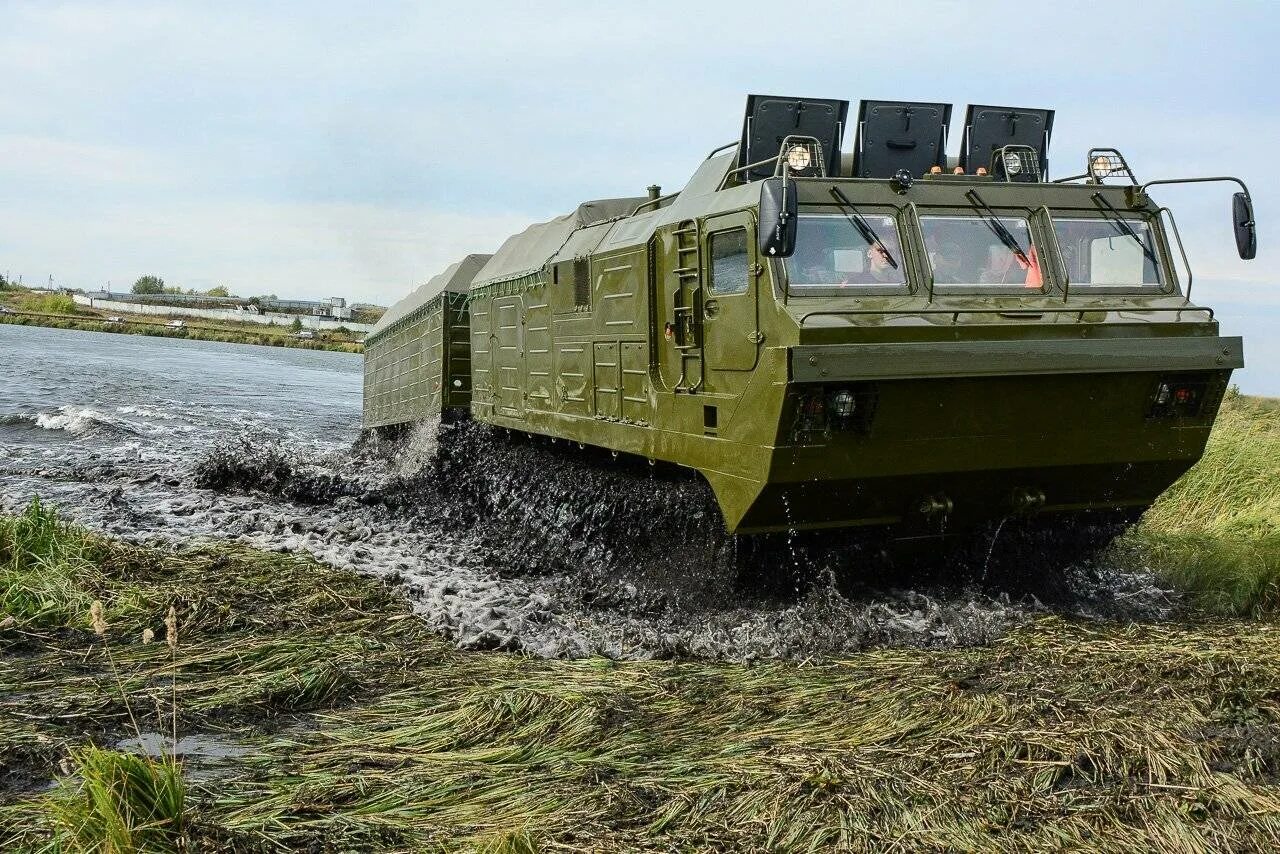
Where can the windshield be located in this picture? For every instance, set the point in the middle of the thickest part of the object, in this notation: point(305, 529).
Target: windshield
point(1099, 252)
point(833, 252)
point(978, 250)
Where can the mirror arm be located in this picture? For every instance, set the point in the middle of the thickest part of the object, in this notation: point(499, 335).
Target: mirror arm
point(1137, 195)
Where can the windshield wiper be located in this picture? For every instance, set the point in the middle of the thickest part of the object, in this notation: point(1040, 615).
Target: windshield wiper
point(997, 227)
point(864, 228)
point(1119, 224)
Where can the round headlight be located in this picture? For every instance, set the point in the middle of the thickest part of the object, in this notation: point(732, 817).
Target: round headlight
point(1012, 163)
point(843, 403)
point(1101, 166)
point(798, 158)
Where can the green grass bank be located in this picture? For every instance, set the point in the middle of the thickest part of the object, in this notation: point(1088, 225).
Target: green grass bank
point(1216, 533)
point(317, 713)
point(59, 311)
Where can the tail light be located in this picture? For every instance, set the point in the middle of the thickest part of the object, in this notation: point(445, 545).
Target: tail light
point(1178, 397)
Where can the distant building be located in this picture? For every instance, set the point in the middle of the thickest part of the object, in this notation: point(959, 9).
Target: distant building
point(335, 308)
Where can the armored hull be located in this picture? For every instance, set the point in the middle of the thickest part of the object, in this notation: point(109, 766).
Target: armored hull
point(922, 395)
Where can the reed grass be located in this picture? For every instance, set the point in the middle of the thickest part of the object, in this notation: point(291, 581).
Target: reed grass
point(119, 802)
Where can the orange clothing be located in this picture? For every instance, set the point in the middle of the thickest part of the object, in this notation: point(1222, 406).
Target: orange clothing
point(1034, 279)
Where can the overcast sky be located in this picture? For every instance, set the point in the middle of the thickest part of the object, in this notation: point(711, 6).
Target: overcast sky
point(318, 149)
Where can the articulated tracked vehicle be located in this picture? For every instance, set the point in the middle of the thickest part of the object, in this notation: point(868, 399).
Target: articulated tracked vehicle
point(888, 336)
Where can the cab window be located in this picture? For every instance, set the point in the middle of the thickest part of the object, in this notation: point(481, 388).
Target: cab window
point(833, 252)
point(729, 262)
point(1102, 252)
point(981, 251)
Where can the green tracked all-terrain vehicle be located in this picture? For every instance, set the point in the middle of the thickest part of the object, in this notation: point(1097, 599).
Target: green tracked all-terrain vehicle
point(889, 337)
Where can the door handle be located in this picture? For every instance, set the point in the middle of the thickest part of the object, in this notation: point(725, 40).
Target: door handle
point(710, 307)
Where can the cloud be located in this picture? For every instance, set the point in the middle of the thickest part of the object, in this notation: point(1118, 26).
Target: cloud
point(314, 149)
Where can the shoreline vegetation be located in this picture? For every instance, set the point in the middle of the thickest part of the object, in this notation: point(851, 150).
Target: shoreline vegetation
point(58, 311)
point(288, 705)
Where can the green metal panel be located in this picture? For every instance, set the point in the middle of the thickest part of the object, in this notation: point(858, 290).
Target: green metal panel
point(915, 360)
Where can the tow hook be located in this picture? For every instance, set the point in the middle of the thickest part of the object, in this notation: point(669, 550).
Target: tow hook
point(936, 505)
point(1024, 500)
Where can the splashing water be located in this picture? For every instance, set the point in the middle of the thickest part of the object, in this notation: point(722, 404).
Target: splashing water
point(986, 563)
point(497, 541)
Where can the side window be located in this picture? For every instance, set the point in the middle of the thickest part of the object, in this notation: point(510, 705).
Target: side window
point(729, 262)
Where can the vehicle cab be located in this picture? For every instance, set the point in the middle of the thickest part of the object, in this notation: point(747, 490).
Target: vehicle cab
point(965, 336)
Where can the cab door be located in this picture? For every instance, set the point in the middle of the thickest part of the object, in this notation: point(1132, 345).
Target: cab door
point(730, 313)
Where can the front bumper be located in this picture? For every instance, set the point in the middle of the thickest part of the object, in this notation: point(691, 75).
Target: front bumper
point(939, 359)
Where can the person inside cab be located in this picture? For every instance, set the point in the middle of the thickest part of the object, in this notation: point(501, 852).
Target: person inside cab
point(945, 259)
point(879, 263)
point(1006, 267)
point(835, 254)
point(879, 269)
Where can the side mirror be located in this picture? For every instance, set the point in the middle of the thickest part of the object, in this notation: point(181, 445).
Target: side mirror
point(1241, 220)
point(777, 238)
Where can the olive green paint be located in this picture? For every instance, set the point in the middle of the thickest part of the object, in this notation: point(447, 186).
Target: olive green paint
point(978, 398)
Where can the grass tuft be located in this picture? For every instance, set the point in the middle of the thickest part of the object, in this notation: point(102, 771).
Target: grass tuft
point(120, 802)
point(48, 568)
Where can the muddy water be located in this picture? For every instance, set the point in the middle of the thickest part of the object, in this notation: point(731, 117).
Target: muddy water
point(498, 542)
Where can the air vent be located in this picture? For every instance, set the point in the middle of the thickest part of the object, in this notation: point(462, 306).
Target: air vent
point(581, 283)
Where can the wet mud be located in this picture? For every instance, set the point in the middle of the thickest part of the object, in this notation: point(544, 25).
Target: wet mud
point(504, 541)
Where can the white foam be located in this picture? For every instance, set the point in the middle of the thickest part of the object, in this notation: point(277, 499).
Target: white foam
point(74, 419)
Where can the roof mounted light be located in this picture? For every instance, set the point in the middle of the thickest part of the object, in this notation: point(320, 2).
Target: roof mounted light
point(802, 157)
point(799, 158)
point(1020, 163)
point(1108, 163)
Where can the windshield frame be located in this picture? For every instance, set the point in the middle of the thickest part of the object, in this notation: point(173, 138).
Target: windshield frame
point(1167, 272)
point(905, 257)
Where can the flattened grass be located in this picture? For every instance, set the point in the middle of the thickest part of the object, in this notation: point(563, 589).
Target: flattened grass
point(369, 733)
point(1216, 532)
